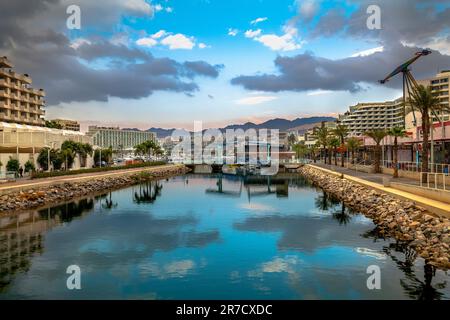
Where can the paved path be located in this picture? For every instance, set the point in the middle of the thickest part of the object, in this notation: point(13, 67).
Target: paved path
point(377, 178)
point(375, 181)
point(27, 184)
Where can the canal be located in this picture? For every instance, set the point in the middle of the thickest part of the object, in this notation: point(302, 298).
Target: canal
point(208, 237)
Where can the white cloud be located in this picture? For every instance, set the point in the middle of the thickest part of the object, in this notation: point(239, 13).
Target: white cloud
point(159, 34)
point(255, 100)
point(169, 9)
point(252, 33)
point(158, 7)
point(441, 44)
point(178, 41)
point(258, 20)
point(286, 42)
point(78, 42)
point(147, 42)
point(138, 6)
point(201, 45)
point(279, 43)
point(367, 52)
point(232, 32)
point(307, 8)
point(319, 92)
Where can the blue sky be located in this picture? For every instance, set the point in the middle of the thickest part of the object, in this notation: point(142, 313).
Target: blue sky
point(242, 43)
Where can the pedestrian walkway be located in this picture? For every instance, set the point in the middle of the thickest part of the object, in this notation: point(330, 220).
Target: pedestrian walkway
point(375, 181)
point(28, 184)
point(373, 177)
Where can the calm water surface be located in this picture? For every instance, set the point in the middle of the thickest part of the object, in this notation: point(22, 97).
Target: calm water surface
point(208, 237)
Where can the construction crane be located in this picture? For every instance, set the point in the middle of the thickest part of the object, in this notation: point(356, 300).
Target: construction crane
point(409, 83)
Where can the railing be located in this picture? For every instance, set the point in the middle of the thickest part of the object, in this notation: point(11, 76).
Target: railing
point(417, 166)
point(432, 180)
point(8, 175)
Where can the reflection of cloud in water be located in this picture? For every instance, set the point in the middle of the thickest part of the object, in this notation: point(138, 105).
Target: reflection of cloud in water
point(175, 269)
point(304, 233)
point(253, 206)
point(371, 253)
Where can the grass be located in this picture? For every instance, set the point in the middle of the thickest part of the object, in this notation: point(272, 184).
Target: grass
point(40, 175)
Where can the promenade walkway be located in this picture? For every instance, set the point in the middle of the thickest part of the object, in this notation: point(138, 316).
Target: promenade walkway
point(376, 181)
point(29, 184)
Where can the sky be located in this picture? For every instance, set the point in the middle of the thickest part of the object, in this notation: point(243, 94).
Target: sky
point(168, 63)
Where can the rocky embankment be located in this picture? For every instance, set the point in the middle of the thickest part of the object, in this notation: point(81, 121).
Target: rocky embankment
point(427, 234)
point(37, 197)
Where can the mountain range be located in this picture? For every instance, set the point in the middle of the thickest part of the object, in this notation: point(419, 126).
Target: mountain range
point(299, 124)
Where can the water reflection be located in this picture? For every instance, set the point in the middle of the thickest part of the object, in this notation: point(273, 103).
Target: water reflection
point(214, 237)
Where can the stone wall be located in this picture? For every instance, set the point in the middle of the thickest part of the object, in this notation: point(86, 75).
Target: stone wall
point(427, 234)
point(33, 198)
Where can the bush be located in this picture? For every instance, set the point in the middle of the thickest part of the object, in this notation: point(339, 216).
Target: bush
point(13, 165)
point(38, 175)
point(29, 166)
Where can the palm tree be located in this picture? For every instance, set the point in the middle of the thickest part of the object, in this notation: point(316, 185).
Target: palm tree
point(322, 139)
point(353, 144)
point(292, 139)
point(334, 143)
point(396, 132)
point(423, 100)
point(377, 135)
point(341, 131)
point(300, 150)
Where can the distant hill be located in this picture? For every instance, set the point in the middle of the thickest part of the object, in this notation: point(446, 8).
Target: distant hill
point(301, 124)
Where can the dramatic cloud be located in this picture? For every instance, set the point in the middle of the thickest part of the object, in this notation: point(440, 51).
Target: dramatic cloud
point(306, 71)
point(92, 67)
point(408, 26)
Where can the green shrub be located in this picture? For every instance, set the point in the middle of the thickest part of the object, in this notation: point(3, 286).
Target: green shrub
point(38, 175)
point(29, 166)
point(12, 165)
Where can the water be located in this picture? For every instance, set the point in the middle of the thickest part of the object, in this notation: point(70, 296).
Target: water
point(206, 237)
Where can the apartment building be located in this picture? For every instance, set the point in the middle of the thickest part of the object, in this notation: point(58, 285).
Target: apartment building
point(118, 139)
point(440, 89)
point(19, 102)
point(374, 115)
point(68, 124)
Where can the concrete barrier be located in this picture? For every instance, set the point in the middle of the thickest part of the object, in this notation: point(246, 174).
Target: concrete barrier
point(435, 194)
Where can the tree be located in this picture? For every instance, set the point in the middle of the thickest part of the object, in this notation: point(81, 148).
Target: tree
point(29, 166)
point(300, 150)
point(377, 135)
point(53, 124)
point(1, 165)
point(341, 131)
point(56, 159)
point(396, 132)
point(292, 139)
point(12, 165)
point(322, 139)
point(106, 155)
point(147, 147)
point(353, 144)
point(334, 143)
point(423, 100)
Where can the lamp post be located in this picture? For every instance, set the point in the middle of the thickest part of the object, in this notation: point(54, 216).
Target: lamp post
point(48, 154)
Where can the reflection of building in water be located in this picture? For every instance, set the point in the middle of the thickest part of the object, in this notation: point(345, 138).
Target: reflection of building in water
point(256, 186)
point(22, 235)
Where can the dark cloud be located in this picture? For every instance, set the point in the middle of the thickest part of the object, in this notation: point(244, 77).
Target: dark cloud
point(308, 72)
point(403, 22)
point(34, 36)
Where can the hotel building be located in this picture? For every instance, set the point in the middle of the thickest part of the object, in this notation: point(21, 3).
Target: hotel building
point(374, 115)
point(19, 102)
point(118, 139)
point(68, 124)
point(440, 89)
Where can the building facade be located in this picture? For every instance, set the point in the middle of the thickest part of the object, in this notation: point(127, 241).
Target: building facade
point(68, 124)
point(440, 89)
point(374, 115)
point(19, 102)
point(118, 139)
